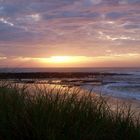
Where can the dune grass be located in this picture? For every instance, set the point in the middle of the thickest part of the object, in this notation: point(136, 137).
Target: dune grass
point(53, 115)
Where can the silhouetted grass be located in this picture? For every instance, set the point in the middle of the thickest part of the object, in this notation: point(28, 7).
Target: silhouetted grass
point(53, 115)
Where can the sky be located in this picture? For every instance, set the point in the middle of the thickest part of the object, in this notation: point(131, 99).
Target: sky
point(69, 33)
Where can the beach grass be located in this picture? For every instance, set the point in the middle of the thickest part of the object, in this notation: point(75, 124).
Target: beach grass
point(53, 115)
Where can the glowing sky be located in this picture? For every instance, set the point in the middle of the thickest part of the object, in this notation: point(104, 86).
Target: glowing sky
point(86, 33)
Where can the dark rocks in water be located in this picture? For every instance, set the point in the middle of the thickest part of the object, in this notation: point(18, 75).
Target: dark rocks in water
point(91, 81)
point(27, 81)
point(42, 75)
point(30, 82)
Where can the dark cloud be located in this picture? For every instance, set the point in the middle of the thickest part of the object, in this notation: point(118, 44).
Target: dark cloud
point(116, 15)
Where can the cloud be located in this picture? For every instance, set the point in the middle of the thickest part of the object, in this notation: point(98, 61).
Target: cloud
point(2, 20)
point(3, 58)
point(129, 1)
point(48, 27)
point(92, 2)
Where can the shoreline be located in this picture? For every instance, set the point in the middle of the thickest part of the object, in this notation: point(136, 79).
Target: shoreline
point(72, 80)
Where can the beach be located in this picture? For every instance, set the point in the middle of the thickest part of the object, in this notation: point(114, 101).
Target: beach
point(61, 104)
point(118, 86)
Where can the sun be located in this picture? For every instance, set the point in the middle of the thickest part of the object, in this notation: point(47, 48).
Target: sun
point(64, 60)
point(60, 59)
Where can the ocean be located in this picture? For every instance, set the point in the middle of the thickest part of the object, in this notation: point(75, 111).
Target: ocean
point(120, 86)
point(114, 70)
